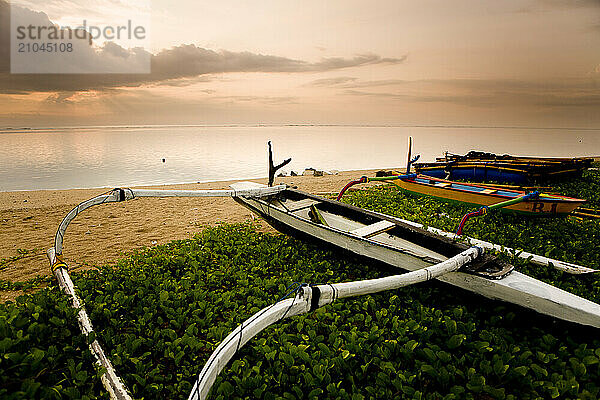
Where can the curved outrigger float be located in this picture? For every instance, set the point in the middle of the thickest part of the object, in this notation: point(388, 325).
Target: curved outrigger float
point(427, 253)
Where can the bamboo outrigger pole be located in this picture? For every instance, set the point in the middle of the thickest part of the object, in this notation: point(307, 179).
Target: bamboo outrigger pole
point(310, 298)
point(110, 379)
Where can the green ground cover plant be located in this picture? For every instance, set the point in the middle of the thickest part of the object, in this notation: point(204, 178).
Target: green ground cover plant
point(161, 312)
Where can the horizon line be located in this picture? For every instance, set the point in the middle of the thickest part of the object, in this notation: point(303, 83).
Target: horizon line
point(25, 129)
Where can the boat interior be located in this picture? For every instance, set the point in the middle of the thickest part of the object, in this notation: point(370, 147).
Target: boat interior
point(381, 230)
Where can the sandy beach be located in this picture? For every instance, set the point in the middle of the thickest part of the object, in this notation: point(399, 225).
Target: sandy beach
point(104, 234)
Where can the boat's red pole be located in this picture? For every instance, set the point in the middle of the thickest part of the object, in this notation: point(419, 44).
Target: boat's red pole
point(363, 179)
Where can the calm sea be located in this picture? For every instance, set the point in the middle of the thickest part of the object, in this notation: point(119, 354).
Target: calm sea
point(126, 156)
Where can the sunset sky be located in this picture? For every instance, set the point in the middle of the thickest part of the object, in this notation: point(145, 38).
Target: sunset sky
point(491, 63)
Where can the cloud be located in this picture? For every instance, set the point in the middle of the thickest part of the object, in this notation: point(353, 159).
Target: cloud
point(389, 95)
point(344, 82)
point(370, 84)
point(328, 82)
point(267, 100)
point(328, 64)
point(481, 84)
point(189, 60)
point(175, 66)
point(574, 92)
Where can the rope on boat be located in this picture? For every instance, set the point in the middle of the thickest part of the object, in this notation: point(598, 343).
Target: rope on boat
point(309, 298)
point(110, 379)
point(483, 210)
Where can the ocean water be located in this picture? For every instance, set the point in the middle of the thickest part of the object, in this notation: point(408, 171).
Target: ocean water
point(90, 157)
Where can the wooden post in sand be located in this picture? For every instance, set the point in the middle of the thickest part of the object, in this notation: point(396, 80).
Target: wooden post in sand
point(272, 168)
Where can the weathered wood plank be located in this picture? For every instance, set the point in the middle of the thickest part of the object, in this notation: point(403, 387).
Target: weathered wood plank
point(373, 229)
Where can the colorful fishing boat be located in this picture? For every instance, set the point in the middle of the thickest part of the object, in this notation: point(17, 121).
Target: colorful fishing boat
point(542, 204)
point(583, 162)
point(478, 172)
point(480, 167)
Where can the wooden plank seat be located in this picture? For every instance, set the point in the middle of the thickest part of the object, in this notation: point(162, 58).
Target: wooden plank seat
point(488, 191)
point(300, 204)
point(373, 229)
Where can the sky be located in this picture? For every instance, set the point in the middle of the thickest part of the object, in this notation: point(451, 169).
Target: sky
point(532, 63)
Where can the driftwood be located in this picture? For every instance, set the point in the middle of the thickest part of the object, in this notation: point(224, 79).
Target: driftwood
point(273, 168)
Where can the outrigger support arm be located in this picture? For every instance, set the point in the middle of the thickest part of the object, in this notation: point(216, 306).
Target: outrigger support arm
point(110, 379)
point(118, 195)
point(309, 298)
point(483, 210)
point(543, 261)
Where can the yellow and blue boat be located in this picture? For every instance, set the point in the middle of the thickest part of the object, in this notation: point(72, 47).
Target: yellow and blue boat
point(542, 204)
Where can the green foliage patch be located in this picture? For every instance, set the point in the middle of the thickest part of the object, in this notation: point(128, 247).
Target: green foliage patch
point(160, 313)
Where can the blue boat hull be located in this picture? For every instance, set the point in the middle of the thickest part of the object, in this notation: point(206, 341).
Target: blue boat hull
point(478, 174)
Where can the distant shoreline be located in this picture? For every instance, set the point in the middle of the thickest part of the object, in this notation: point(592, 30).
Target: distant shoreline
point(34, 129)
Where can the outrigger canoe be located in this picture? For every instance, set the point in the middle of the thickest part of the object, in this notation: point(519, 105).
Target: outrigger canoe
point(426, 253)
point(395, 242)
point(479, 167)
point(578, 162)
point(400, 244)
point(482, 166)
point(507, 200)
point(496, 171)
point(543, 205)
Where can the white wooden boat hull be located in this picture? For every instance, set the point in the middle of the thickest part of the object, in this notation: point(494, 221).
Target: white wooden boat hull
point(516, 288)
